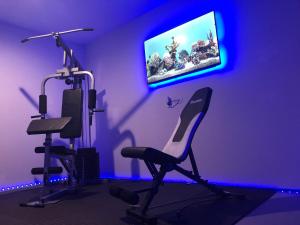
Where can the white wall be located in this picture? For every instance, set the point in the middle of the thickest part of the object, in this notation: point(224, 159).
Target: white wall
point(251, 132)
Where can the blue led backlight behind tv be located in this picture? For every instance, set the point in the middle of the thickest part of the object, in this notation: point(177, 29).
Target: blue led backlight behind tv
point(182, 51)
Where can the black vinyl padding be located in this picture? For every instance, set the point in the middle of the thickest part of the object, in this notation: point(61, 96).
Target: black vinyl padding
point(148, 154)
point(115, 191)
point(130, 197)
point(51, 170)
point(199, 102)
point(47, 126)
point(43, 104)
point(92, 99)
point(72, 107)
point(58, 150)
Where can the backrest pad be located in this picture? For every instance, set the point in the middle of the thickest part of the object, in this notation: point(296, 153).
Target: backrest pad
point(72, 107)
point(190, 118)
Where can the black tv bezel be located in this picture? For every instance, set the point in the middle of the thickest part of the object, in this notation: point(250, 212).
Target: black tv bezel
point(189, 72)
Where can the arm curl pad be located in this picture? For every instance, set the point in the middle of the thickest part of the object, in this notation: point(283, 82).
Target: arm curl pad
point(92, 98)
point(43, 104)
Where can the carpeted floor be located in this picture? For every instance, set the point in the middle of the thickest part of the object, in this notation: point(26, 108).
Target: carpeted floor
point(176, 203)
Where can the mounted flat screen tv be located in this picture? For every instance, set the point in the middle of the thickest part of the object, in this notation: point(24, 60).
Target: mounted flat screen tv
point(187, 48)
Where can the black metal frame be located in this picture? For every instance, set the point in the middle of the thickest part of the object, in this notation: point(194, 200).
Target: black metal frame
point(140, 212)
point(72, 69)
point(50, 195)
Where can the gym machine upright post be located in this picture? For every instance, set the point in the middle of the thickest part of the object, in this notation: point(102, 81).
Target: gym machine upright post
point(69, 125)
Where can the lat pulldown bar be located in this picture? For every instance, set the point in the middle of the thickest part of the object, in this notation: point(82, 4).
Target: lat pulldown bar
point(74, 69)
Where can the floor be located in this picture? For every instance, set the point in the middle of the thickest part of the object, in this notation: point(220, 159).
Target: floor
point(280, 209)
point(94, 206)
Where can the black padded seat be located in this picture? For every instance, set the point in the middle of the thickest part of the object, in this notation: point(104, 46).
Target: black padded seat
point(48, 126)
point(148, 154)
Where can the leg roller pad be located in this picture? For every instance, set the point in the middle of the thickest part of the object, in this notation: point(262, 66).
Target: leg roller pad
point(130, 197)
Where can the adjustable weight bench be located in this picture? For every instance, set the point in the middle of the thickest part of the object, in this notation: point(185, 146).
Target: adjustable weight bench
point(177, 149)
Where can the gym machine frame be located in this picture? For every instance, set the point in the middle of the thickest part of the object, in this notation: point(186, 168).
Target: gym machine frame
point(73, 73)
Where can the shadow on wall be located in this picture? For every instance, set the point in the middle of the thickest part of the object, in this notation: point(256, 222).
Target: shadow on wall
point(29, 98)
point(107, 139)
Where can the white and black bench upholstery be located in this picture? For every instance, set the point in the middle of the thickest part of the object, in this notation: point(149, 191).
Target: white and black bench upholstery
point(176, 150)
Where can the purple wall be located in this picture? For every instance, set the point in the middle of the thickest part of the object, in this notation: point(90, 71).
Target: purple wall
point(22, 67)
point(251, 132)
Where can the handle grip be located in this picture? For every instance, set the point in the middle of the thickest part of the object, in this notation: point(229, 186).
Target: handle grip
point(36, 116)
point(92, 99)
point(24, 40)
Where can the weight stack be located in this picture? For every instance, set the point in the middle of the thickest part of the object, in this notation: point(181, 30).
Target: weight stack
point(87, 165)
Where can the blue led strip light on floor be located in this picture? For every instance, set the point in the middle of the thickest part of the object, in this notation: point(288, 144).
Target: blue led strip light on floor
point(30, 185)
point(64, 179)
point(277, 189)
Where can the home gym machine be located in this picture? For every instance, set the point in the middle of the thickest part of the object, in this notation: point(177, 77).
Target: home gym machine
point(69, 125)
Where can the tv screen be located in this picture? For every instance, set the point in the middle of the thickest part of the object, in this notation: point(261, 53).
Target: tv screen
point(187, 48)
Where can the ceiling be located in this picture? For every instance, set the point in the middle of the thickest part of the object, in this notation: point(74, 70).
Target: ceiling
point(45, 16)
